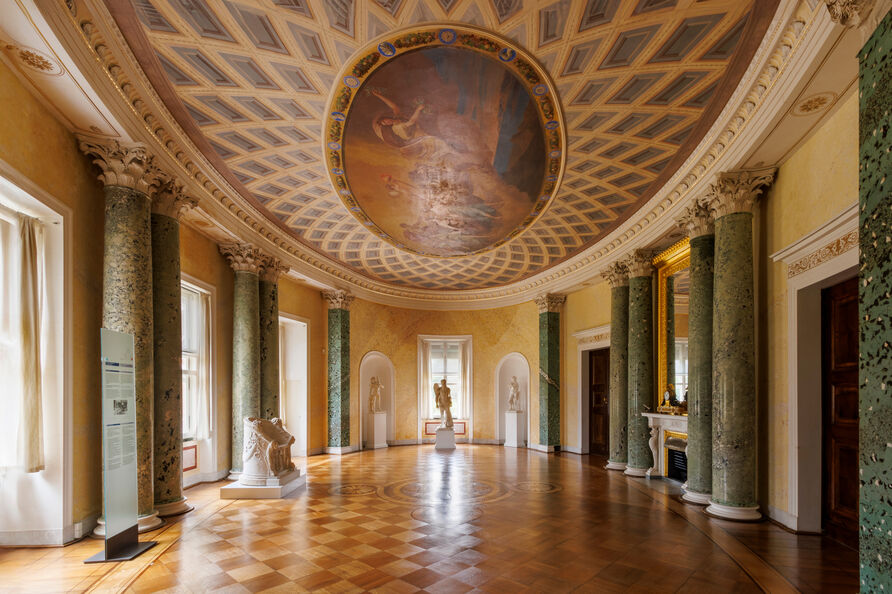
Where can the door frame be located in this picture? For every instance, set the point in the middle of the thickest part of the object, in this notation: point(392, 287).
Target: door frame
point(818, 260)
point(292, 318)
point(592, 339)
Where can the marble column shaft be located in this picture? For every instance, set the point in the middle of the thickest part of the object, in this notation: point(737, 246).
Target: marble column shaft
point(698, 224)
point(618, 276)
point(641, 362)
point(269, 338)
point(338, 368)
point(168, 203)
point(550, 369)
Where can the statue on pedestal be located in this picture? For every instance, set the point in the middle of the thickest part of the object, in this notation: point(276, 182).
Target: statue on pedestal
point(375, 395)
point(444, 403)
point(513, 394)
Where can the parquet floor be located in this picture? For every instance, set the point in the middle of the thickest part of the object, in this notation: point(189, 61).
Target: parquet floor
point(481, 518)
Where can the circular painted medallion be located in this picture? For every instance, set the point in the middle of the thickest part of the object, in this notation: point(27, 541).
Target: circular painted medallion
point(447, 142)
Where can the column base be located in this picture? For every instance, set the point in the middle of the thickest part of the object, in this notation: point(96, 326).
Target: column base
point(694, 497)
point(144, 524)
point(340, 451)
point(174, 508)
point(615, 465)
point(730, 512)
point(234, 475)
point(640, 472)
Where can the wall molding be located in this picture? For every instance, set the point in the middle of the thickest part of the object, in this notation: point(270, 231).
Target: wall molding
point(204, 477)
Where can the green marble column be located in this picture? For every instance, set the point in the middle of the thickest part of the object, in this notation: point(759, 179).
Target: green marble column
point(733, 346)
point(617, 275)
point(641, 362)
point(670, 334)
point(245, 261)
point(167, 205)
point(338, 371)
point(697, 222)
point(550, 370)
point(875, 309)
point(269, 337)
point(128, 172)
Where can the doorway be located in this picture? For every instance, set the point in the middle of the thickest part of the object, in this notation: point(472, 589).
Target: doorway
point(294, 379)
point(598, 393)
point(839, 370)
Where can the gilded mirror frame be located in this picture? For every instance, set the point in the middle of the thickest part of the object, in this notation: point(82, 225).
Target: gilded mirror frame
point(673, 259)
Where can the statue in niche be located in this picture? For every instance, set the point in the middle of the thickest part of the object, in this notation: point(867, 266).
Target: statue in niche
point(443, 399)
point(375, 396)
point(513, 394)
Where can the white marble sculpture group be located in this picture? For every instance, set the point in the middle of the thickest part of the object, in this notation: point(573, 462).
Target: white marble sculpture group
point(267, 469)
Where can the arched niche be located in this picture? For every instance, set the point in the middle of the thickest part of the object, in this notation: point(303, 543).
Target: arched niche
point(512, 364)
point(376, 363)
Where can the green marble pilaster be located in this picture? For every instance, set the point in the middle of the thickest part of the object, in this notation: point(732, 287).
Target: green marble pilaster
point(670, 331)
point(697, 222)
point(875, 310)
point(618, 277)
point(641, 363)
point(550, 370)
point(733, 347)
point(269, 348)
point(338, 370)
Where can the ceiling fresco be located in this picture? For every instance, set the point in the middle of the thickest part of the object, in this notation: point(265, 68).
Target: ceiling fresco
point(252, 83)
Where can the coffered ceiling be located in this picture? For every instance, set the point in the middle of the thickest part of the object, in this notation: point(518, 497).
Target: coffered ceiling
point(251, 83)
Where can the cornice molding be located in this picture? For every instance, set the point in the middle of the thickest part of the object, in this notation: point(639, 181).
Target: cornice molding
point(337, 299)
point(243, 257)
point(598, 335)
point(785, 54)
point(697, 220)
point(126, 164)
point(169, 198)
point(617, 275)
point(737, 191)
point(550, 302)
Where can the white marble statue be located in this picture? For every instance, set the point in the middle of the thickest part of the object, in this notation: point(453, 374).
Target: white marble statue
point(267, 451)
point(444, 403)
point(375, 395)
point(513, 394)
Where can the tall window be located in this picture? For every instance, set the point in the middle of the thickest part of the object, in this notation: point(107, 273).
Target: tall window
point(681, 368)
point(449, 359)
point(196, 362)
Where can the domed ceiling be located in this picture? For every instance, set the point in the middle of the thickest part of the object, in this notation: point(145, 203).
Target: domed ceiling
point(379, 136)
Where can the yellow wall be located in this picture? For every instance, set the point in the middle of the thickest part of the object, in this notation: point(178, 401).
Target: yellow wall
point(815, 184)
point(307, 303)
point(584, 309)
point(394, 332)
point(33, 142)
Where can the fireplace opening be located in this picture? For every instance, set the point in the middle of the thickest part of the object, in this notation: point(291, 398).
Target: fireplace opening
point(677, 465)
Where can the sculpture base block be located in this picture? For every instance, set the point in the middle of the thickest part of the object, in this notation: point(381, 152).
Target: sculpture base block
point(513, 429)
point(445, 439)
point(378, 424)
point(286, 483)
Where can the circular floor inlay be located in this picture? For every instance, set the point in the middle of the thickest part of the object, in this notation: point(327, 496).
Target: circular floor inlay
point(438, 491)
point(353, 490)
point(533, 487)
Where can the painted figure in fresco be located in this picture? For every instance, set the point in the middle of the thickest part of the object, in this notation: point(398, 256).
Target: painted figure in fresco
point(443, 400)
point(513, 394)
point(375, 395)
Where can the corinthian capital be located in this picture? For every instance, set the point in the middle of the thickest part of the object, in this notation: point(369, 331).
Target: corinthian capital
point(271, 268)
point(737, 191)
point(242, 257)
point(640, 263)
point(550, 302)
point(617, 274)
point(849, 13)
point(337, 299)
point(697, 220)
point(123, 164)
point(169, 198)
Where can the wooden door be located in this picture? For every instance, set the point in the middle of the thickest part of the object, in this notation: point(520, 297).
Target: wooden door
point(839, 343)
point(598, 392)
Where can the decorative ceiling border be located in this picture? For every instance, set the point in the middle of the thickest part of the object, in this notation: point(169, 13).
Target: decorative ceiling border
point(786, 52)
point(525, 68)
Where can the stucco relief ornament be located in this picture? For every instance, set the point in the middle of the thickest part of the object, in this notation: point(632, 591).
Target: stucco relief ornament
point(243, 257)
point(550, 302)
point(697, 220)
point(848, 12)
point(640, 263)
point(337, 299)
point(737, 191)
point(123, 164)
point(617, 275)
point(169, 198)
point(271, 268)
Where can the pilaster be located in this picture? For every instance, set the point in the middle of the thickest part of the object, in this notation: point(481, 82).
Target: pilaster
point(338, 303)
point(270, 269)
point(617, 275)
point(550, 369)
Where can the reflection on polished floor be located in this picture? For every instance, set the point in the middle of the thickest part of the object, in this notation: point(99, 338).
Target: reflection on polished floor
point(482, 518)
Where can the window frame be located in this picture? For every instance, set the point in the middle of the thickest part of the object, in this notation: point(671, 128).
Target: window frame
point(423, 390)
point(200, 286)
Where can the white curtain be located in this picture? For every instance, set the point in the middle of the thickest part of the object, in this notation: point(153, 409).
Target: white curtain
point(22, 327)
point(428, 407)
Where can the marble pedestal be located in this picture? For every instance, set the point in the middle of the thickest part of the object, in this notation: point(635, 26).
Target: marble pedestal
point(378, 426)
point(513, 429)
point(275, 488)
point(445, 439)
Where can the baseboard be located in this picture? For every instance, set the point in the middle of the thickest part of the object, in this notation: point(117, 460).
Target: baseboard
point(544, 448)
point(33, 538)
point(403, 442)
point(204, 477)
point(315, 452)
point(482, 441)
point(786, 520)
point(340, 451)
point(573, 450)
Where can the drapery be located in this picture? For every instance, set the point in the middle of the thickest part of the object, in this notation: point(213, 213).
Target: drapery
point(22, 327)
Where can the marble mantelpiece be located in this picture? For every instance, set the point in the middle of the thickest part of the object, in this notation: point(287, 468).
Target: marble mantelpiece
point(663, 426)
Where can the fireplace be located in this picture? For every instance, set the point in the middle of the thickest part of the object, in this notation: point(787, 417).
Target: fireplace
point(677, 465)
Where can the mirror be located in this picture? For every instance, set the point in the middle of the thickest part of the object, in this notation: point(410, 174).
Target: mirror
point(673, 292)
